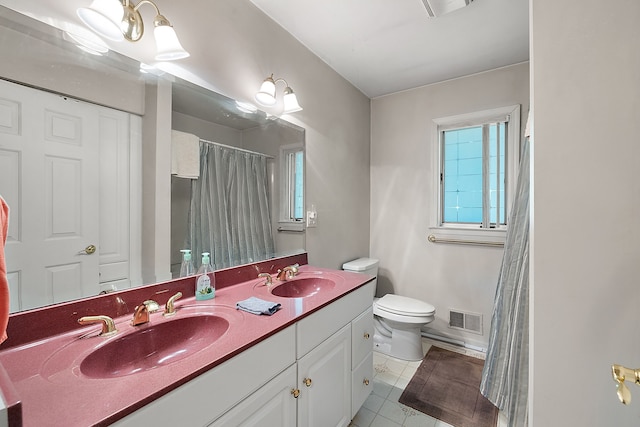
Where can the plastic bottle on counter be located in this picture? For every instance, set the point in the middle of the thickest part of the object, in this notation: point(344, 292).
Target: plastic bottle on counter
point(186, 268)
point(205, 279)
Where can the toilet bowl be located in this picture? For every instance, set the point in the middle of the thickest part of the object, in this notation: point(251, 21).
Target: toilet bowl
point(398, 323)
point(398, 319)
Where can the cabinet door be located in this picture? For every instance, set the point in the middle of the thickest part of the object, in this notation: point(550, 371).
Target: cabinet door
point(362, 337)
point(324, 380)
point(271, 405)
point(362, 383)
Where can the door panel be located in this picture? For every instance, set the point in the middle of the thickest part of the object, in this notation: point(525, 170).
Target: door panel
point(49, 156)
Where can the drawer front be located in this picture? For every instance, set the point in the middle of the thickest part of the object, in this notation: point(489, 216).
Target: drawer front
point(256, 365)
point(319, 326)
point(361, 383)
point(361, 337)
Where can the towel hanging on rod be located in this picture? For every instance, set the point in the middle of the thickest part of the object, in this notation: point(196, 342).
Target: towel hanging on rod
point(185, 155)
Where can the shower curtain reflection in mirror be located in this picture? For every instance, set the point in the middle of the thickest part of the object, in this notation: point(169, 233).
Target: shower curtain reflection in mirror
point(230, 215)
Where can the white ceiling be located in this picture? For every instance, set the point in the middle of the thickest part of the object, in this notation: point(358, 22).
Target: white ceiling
point(380, 46)
point(386, 46)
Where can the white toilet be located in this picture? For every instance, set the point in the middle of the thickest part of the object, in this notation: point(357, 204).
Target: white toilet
point(397, 319)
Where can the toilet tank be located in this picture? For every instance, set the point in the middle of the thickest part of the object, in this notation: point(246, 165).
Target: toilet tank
point(362, 265)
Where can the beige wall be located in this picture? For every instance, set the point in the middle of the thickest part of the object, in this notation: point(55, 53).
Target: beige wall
point(206, 130)
point(585, 265)
point(447, 276)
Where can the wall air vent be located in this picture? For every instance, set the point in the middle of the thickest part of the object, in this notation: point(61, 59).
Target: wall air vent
point(471, 322)
point(437, 8)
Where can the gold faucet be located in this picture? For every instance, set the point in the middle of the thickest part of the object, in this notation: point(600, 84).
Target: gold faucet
point(108, 325)
point(141, 313)
point(620, 375)
point(169, 309)
point(288, 272)
point(266, 276)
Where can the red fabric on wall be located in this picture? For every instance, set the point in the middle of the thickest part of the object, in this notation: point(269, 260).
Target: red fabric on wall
point(4, 283)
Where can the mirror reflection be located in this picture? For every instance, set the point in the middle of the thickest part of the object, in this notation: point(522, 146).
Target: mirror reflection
point(86, 162)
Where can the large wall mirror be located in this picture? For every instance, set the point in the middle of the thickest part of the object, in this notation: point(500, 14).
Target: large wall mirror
point(86, 166)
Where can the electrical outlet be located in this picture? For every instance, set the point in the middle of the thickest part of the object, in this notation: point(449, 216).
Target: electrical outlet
point(312, 219)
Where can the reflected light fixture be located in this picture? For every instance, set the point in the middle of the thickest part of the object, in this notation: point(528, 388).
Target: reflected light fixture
point(267, 95)
point(246, 107)
point(86, 40)
point(437, 8)
point(119, 20)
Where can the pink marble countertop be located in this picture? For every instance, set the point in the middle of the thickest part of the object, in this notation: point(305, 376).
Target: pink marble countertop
point(45, 374)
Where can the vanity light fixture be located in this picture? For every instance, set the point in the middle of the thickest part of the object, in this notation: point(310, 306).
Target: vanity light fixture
point(119, 20)
point(267, 95)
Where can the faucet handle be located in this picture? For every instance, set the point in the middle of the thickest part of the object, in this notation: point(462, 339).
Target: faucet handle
point(151, 305)
point(108, 325)
point(169, 307)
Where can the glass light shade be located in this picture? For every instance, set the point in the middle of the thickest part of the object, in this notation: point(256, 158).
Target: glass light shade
point(290, 102)
point(87, 41)
point(267, 93)
point(169, 48)
point(104, 17)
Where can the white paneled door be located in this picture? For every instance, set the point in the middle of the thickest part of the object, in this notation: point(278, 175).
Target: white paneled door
point(49, 176)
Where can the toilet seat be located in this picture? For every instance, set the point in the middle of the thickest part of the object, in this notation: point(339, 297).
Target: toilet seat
point(404, 306)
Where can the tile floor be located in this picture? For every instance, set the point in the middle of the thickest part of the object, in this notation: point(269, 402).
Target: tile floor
point(391, 376)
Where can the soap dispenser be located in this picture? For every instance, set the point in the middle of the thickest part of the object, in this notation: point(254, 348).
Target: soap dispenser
point(186, 268)
point(205, 279)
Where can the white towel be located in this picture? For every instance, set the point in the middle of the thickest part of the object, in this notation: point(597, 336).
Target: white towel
point(185, 155)
point(529, 125)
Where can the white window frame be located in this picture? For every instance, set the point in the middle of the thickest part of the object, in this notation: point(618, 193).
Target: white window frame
point(471, 231)
point(285, 221)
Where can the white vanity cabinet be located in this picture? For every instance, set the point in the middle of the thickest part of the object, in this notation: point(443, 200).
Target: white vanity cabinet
point(321, 380)
point(335, 351)
point(316, 372)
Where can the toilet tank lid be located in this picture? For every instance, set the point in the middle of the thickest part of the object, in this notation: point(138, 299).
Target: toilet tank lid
point(360, 264)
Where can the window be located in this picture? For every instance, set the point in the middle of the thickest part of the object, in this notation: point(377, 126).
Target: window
point(292, 184)
point(477, 157)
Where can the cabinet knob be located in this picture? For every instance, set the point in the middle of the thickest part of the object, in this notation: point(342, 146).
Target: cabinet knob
point(366, 335)
point(365, 382)
point(295, 392)
point(307, 382)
